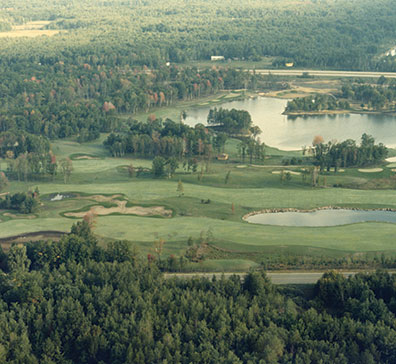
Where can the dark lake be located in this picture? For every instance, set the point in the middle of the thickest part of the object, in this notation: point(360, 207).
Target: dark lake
point(285, 132)
point(322, 217)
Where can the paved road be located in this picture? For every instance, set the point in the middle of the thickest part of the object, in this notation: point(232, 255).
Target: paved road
point(276, 278)
point(295, 72)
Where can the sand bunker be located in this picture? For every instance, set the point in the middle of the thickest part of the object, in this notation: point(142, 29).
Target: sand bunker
point(242, 166)
point(391, 159)
point(393, 169)
point(86, 157)
point(370, 170)
point(338, 170)
point(291, 172)
point(122, 209)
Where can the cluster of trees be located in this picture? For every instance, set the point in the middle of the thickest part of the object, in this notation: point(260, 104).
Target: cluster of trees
point(382, 95)
point(27, 155)
point(348, 153)
point(252, 148)
point(316, 103)
point(13, 143)
point(231, 122)
point(74, 301)
point(165, 139)
point(33, 166)
point(25, 203)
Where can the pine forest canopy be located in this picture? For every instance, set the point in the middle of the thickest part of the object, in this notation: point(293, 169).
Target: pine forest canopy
point(74, 301)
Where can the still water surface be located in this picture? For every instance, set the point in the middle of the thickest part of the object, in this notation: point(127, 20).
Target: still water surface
point(287, 133)
point(322, 217)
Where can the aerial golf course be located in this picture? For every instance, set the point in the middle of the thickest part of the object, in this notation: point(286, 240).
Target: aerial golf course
point(209, 211)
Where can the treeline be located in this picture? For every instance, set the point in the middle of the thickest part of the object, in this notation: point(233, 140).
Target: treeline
point(74, 301)
point(349, 154)
point(316, 103)
point(166, 139)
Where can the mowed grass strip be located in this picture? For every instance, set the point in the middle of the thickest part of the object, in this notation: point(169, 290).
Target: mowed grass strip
point(254, 198)
point(364, 237)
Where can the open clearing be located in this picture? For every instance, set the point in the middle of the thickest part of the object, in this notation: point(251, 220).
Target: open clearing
point(31, 30)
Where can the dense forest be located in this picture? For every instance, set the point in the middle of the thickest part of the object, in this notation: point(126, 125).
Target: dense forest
point(129, 56)
point(62, 100)
point(330, 33)
point(75, 302)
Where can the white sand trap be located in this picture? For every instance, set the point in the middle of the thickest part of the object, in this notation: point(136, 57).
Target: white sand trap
point(122, 209)
point(370, 170)
point(393, 169)
point(242, 166)
point(86, 157)
point(391, 159)
point(291, 172)
point(338, 170)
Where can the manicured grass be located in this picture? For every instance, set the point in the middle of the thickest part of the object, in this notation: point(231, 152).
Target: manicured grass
point(240, 236)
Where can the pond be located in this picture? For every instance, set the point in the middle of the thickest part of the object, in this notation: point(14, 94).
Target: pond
point(328, 217)
point(288, 133)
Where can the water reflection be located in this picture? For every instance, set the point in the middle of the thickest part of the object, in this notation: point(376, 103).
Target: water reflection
point(292, 132)
point(322, 217)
